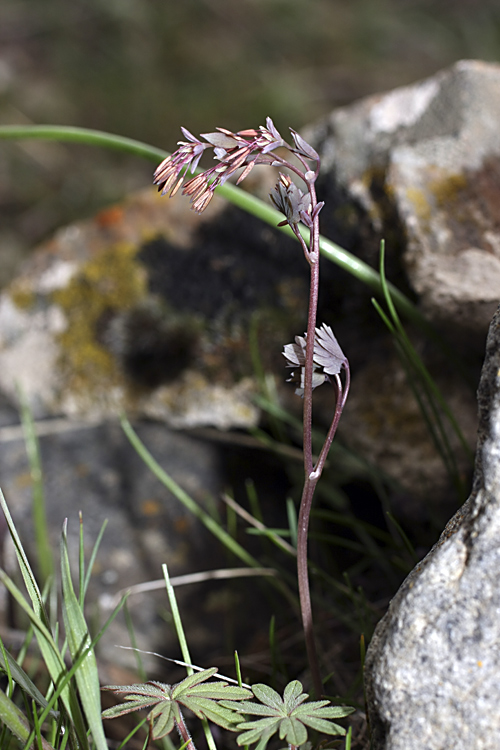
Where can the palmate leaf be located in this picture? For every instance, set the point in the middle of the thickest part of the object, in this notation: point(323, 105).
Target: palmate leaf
point(199, 696)
point(290, 716)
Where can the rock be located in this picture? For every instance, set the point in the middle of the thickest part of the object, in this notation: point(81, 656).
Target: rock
point(147, 307)
point(433, 665)
point(420, 166)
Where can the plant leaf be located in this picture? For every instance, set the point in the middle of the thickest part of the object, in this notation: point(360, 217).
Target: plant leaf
point(191, 680)
point(126, 708)
point(290, 716)
point(257, 730)
point(293, 695)
point(220, 691)
point(294, 732)
point(249, 707)
point(268, 696)
point(162, 718)
point(87, 677)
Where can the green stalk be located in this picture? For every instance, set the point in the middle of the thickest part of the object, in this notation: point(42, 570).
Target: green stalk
point(42, 536)
point(181, 637)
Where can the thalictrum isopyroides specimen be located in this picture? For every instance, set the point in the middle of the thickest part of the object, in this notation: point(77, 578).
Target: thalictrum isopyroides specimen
point(315, 357)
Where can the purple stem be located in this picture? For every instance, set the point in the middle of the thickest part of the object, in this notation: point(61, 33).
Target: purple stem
point(184, 732)
point(313, 473)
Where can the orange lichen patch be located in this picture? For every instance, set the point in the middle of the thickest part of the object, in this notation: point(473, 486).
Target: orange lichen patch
point(109, 217)
point(23, 480)
point(110, 282)
point(181, 525)
point(151, 507)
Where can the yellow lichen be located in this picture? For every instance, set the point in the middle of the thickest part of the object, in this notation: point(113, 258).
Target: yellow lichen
point(23, 297)
point(447, 189)
point(420, 203)
point(109, 282)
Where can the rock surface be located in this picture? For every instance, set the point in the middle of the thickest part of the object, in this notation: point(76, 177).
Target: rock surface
point(433, 666)
point(147, 308)
point(427, 156)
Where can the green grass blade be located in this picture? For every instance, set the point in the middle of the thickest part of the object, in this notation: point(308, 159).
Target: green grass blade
point(226, 539)
point(432, 405)
point(38, 616)
point(87, 678)
point(181, 637)
point(42, 537)
point(10, 666)
point(188, 502)
point(26, 572)
point(14, 719)
point(91, 562)
point(179, 629)
point(52, 658)
point(85, 136)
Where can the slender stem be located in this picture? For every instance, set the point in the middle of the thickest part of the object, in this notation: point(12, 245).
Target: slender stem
point(342, 394)
point(183, 731)
point(311, 479)
point(303, 581)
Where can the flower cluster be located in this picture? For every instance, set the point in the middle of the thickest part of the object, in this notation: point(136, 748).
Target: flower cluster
point(328, 358)
point(232, 151)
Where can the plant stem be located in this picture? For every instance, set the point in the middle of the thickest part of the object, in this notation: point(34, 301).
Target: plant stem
point(311, 479)
point(184, 732)
point(313, 473)
point(303, 582)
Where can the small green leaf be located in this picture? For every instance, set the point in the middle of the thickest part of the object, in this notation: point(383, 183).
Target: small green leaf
point(257, 729)
point(268, 696)
point(249, 707)
point(293, 695)
point(162, 718)
point(294, 732)
point(321, 725)
point(220, 691)
point(126, 708)
point(77, 634)
point(290, 716)
point(191, 680)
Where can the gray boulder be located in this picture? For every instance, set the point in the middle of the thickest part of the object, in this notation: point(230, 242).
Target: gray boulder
point(433, 666)
point(426, 157)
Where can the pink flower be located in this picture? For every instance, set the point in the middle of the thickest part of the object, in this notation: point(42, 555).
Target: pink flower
point(232, 150)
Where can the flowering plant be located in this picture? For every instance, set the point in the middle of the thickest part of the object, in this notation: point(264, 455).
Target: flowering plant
point(314, 358)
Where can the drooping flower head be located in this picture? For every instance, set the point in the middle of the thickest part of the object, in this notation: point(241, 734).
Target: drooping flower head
point(232, 151)
point(328, 358)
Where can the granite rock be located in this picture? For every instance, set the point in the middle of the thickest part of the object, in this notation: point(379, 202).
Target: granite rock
point(432, 670)
point(420, 166)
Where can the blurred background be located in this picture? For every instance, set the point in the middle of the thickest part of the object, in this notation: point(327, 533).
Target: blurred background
point(142, 68)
